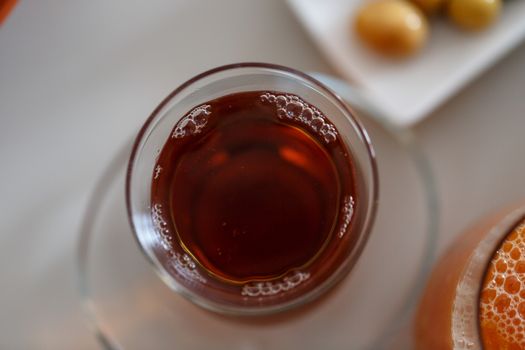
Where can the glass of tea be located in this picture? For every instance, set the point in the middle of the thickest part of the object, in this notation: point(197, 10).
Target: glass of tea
point(252, 188)
point(475, 298)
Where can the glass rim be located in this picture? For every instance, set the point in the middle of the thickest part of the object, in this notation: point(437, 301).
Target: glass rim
point(357, 250)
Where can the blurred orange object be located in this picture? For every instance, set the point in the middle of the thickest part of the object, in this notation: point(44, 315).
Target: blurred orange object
point(5, 7)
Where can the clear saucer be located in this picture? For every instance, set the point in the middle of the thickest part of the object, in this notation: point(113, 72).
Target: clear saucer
point(130, 307)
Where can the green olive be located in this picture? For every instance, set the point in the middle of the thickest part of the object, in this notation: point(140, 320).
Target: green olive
point(430, 7)
point(474, 14)
point(394, 28)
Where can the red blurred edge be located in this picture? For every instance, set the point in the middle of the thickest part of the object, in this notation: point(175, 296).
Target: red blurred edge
point(5, 8)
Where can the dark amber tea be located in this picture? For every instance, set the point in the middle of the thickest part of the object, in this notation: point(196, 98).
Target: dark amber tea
point(252, 189)
point(254, 185)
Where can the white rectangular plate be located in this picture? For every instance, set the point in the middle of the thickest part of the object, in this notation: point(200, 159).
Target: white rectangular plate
point(406, 91)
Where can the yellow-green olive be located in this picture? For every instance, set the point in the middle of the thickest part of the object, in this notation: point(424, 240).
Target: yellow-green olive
point(395, 28)
point(474, 14)
point(430, 6)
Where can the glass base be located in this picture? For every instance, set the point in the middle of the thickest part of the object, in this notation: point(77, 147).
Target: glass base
point(130, 307)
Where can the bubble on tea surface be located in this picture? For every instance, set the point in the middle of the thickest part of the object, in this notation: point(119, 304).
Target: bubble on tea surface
point(347, 212)
point(184, 266)
point(292, 107)
point(502, 301)
point(193, 122)
point(181, 264)
point(269, 288)
point(161, 226)
point(158, 170)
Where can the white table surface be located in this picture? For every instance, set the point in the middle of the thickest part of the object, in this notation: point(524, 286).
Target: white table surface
point(77, 78)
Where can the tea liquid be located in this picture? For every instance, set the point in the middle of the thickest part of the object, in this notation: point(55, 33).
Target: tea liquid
point(502, 303)
point(255, 184)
